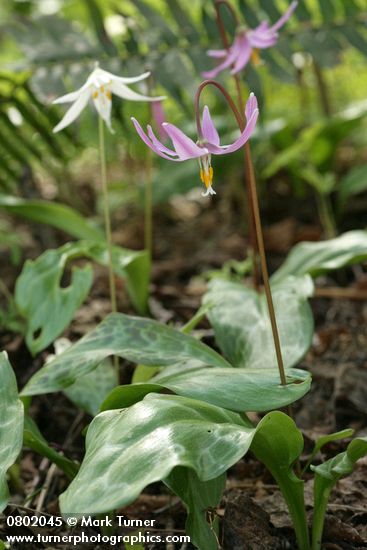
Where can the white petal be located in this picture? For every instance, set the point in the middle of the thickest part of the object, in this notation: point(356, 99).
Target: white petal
point(130, 79)
point(73, 96)
point(103, 105)
point(124, 92)
point(74, 111)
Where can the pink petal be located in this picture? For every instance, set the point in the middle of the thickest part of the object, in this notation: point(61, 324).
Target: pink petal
point(158, 144)
point(245, 136)
point(184, 146)
point(251, 106)
point(230, 59)
point(285, 17)
point(244, 54)
point(149, 143)
point(262, 38)
point(209, 130)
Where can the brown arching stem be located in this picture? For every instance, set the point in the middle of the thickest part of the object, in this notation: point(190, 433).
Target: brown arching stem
point(256, 214)
point(241, 107)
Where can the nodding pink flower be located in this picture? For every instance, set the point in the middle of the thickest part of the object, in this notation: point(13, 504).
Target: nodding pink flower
point(246, 44)
point(208, 144)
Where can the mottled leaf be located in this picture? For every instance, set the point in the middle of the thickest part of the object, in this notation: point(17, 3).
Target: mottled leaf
point(11, 424)
point(242, 327)
point(137, 339)
point(128, 449)
point(231, 388)
point(46, 306)
point(317, 257)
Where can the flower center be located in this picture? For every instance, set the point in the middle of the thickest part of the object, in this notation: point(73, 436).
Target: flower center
point(102, 93)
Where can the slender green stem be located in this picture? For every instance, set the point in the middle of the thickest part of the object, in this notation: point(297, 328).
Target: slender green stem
point(107, 220)
point(148, 227)
point(326, 214)
point(320, 506)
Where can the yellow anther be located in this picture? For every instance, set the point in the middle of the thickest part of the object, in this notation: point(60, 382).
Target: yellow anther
point(109, 95)
point(255, 57)
point(102, 89)
point(206, 176)
point(95, 95)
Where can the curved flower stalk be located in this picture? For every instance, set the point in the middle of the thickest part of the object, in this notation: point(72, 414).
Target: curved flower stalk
point(184, 148)
point(100, 86)
point(246, 43)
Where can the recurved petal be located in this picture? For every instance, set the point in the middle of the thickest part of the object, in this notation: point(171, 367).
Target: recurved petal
point(251, 105)
point(73, 112)
point(123, 91)
point(184, 146)
point(158, 144)
point(73, 96)
point(245, 136)
point(285, 16)
point(243, 55)
point(150, 144)
point(130, 79)
point(262, 38)
point(232, 54)
point(209, 130)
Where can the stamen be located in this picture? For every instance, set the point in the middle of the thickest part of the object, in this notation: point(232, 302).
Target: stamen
point(95, 94)
point(255, 57)
point(109, 95)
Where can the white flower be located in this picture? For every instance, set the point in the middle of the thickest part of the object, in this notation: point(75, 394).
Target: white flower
point(99, 87)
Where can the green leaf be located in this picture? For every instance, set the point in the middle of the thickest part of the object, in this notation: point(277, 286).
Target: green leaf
point(47, 307)
point(242, 327)
point(234, 389)
point(128, 449)
point(278, 443)
point(89, 391)
point(326, 477)
point(324, 440)
point(317, 257)
point(199, 497)
point(54, 214)
point(35, 441)
point(353, 183)
point(11, 424)
point(137, 339)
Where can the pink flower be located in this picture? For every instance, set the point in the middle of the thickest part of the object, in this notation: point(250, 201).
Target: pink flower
point(245, 44)
point(185, 148)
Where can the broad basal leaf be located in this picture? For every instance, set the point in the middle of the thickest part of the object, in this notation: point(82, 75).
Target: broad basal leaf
point(242, 327)
point(199, 497)
point(315, 258)
point(137, 339)
point(11, 424)
point(47, 307)
point(128, 449)
point(231, 388)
